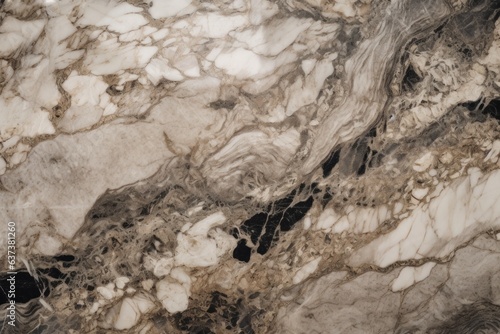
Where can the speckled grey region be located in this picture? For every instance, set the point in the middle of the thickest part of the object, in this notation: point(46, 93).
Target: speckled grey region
point(251, 166)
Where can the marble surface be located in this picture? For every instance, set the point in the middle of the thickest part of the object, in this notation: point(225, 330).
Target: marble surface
point(251, 166)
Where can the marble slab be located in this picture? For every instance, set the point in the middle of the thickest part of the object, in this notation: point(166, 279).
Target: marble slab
point(250, 166)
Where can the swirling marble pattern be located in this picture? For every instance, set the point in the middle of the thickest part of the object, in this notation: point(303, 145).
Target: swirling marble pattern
point(251, 166)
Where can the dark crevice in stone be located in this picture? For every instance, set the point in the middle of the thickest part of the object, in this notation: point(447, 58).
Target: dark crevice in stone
point(295, 214)
point(54, 273)
point(327, 196)
point(410, 79)
point(372, 133)
point(285, 220)
point(127, 224)
point(480, 110)
point(493, 109)
point(362, 169)
point(269, 234)
point(262, 228)
point(283, 203)
point(439, 30)
point(145, 211)
point(242, 252)
point(330, 163)
point(26, 287)
point(253, 226)
point(64, 258)
point(235, 233)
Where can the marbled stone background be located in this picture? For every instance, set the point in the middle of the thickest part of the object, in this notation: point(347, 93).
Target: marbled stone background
point(251, 166)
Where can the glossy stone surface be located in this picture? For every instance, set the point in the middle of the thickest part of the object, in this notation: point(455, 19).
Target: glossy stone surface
point(251, 166)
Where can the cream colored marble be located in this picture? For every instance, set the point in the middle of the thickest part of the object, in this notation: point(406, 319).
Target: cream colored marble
point(253, 166)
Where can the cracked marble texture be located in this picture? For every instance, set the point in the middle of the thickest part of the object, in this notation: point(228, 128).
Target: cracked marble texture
point(251, 166)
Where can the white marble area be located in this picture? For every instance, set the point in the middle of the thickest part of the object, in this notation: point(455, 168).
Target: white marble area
point(251, 166)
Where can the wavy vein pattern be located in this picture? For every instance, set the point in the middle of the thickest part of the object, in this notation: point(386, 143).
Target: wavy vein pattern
point(251, 166)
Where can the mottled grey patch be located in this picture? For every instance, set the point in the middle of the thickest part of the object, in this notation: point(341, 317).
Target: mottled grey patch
point(223, 104)
point(217, 313)
point(475, 318)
